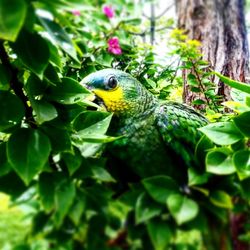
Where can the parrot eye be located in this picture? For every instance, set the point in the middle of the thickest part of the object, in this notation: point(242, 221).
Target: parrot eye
point(112, 82)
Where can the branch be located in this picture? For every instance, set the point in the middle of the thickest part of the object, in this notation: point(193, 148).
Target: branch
point(16, 86)
point(165, 11)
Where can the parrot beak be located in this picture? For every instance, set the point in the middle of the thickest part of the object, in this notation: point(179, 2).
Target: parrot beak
point(87, 82)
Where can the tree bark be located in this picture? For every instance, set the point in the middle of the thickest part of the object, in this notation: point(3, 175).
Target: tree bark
point(220, 26)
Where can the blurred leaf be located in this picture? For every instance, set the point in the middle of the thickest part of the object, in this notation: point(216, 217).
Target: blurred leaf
point(182, 208)
point(59, 36)
point(242, 122)
point(236, 106)
point(105, 59)
point(5, 77)
point(11, 110)
point(46, 190)
point(72, 161)
point(234, 84)
point(101, 174)
point(198, 102)
point(222, 133)
point(28, 151)
point(64, 197)
point(55, 55)
point(160, 234)
point(195, 178)
point(160, 187)
point(5, 166)
point(221, 199)
point(12, 18)
point(29, 46)
point(241, 161)
point(21, 247)
point(219, 162)
point(77, 210)
point(202, 147)
point(145, 209)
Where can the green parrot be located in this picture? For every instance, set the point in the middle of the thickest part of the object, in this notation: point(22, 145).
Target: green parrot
point(158, 138)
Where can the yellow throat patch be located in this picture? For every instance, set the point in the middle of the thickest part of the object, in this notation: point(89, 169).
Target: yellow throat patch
point(113, 99)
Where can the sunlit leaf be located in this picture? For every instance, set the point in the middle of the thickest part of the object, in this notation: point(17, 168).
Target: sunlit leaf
point(222, 133)
point(182, 208)
point(59, 36)
point(12, 16)
point(219, 162)
point(221, 199)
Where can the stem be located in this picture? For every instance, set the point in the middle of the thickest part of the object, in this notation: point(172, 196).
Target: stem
point(16, 86)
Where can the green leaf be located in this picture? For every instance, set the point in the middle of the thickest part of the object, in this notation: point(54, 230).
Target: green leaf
point(59, 36)
point(59, 138)
point(198, 102)
point(238, 107)
point(77, 210)
point(243, 124)
point(72, 160)
point(221, 199)
point(5, 166)
point(64, 197)
point(195, 178)
point(222, 133)
point(46, 190)
point(12, 16)
point(145, 208)
point(33, 51)
point(68, 91)
point(182, 208)
point(160, 234)
point(219, 162)
point(89, 118)
point(101, 174)
point(105, 59)
point(44, 111)
point(28, 151)
point(55, 56)
point(5, 76)
point(22, 247)
point(160, 187)
point(11, 110)
point(95, 133)
point(241, 161)
point(234, 84)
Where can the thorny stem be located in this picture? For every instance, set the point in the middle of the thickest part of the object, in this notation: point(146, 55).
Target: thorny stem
point(16, 86)
point(201, 85)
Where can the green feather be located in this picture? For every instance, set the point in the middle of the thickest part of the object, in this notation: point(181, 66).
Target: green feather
point(158, 138)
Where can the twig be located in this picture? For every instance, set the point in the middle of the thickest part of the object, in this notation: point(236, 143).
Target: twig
point(16, 86)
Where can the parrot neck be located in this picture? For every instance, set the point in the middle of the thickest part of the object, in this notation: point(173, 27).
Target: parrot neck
point(140, 107)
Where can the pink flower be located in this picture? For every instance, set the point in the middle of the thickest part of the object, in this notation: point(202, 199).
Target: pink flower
point(76, 12)
point(114, 46)
point(108, 11)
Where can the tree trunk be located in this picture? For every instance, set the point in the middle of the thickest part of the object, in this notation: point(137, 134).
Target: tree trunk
point(220, 26)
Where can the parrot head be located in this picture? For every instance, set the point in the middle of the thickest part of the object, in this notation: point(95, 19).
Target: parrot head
point(121, 93)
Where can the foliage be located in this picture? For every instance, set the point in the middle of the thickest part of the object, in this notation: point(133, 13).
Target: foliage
point(53, 136)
